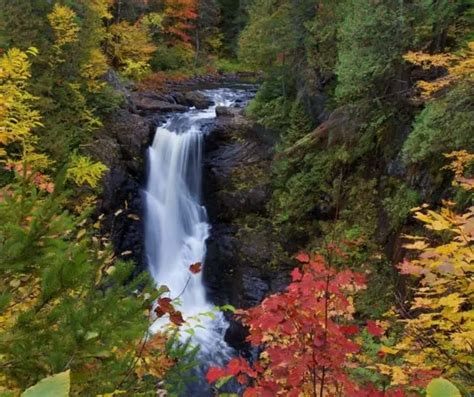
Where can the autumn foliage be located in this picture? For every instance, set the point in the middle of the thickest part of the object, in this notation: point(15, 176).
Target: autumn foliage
point(307, 334)
point(438, 321)
point(311, 344)
point(178, 19)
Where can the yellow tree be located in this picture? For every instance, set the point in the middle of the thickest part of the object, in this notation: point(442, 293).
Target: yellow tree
point(439, 321)
point(65, 28)
point(130, 48)
point(17, 115)
point(458, 66)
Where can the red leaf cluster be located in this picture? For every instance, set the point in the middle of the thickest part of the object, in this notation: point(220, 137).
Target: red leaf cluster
point(179, 16)
point(307, 336)
point(374, 329)
point(165, 306)
point(41, 181)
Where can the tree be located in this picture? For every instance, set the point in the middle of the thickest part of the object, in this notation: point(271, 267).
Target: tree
point(208, 38)
point(371, 43)
point(130, 48)
point(306, 337)
point(179, 20)
point(438, 324)
point(17, 115)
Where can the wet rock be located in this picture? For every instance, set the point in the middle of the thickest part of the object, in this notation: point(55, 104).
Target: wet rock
point(242, 245)
point(224, 111)
point(146, 104)
point(236, 335)
point(193, 99)
point(251, 200)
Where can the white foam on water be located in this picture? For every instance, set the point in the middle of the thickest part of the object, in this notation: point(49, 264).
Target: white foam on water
point(176, 221)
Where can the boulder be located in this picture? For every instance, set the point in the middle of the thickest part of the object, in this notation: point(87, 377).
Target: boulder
point(224, 111)
point(192, 99)
point(147, 104)
point(198, 100)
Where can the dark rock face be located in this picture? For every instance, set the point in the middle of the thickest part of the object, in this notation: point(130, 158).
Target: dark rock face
point(243, 249)
point(122, 146)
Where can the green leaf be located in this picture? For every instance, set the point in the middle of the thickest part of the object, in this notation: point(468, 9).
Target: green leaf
point(222, 381)
point(440, 387)
point(57, 385)
point(228, 308)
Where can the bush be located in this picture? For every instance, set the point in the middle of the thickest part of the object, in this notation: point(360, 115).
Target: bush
point(443, 126)
point(399, 205)
point(173, 57)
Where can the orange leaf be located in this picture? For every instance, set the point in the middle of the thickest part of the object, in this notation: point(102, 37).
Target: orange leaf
point(195, 268)
point(302, 257)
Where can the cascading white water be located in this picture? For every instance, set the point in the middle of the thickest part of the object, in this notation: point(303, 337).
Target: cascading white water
point(176, 221)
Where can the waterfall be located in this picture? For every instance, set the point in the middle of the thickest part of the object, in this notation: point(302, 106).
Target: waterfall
point(176, 221)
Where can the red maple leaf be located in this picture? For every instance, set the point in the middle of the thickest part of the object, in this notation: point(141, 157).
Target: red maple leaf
point(165, 305)
point(296, 274)
point(302, 257)
point(214, 374)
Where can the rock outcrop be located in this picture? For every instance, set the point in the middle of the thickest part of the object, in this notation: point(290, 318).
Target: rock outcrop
point(243, 250)
point(121, 146)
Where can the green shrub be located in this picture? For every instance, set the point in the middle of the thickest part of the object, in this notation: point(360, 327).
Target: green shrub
point(172, 58)
point(399, 205)
point(443, 126)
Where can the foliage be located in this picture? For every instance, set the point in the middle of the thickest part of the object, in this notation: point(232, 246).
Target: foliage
point(130, 48)
point(172, 58)
point(65, 28)
point(398, 206)
point(306, 335)
point(443, 126)
point(458, 66)
point(60, 293)
point(17, 116)
point(438, 323)
point(370, 42)
point(224, 65)
point(178, 19)
point(82, 170)
point(55, 385)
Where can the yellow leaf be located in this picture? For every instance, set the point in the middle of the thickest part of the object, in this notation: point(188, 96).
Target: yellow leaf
point(389, 350)
point(81, 234)
point(398, 376)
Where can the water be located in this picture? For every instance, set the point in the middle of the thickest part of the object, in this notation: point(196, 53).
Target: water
point(176, 221)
